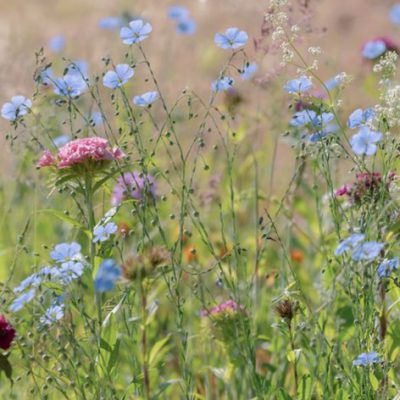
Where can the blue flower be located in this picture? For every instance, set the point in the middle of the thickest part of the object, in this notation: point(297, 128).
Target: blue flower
point(106, 276)
point(232, 38)
point(54, 313)
point(17, 107)
point(367, 251)
point(332, 83)
point(366, 359)
point(46, 76)
point(21, 300)
point(395, 14)
point(386, 268)
point(79, 68)
point(137, 31)
point(103, 232)
point(317, 136)
point(110, 23)
point(364, 141)
point(145, 99)
point(68, 272)
point(32, 280)
point(248, 71)
point(222, 84)
point(70, 85)
point(56, 44)
point(97, 118)
point(359, 117)
point(186, 26)
point(178, 13)
point(303, 117)
point(349, 243)
point(118, 77)
point(61, 140)
point(64, 252)
point(374, 49)
point(299, 85)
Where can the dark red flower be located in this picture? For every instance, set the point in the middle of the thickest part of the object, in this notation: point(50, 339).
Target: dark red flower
point(7, 333)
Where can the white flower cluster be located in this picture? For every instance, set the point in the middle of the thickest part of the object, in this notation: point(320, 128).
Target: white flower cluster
point(386, 67)
point(389, 109)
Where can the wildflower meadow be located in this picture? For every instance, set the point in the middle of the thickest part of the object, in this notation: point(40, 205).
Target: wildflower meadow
point(207, 210)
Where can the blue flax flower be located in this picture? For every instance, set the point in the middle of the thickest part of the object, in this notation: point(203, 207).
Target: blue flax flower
point(360, 117)
point(70, 85)
point(137, 31)
point(248, 71)
point(222, 84)
point(367, 251)
point(303, 117)
point(67, 272)
point(97, 118)
point(178, 13)
point(186, 26)
point(374, 49)
point(61, 140)
point(386, 268)
point(145, 99)
point(103, 232)
point(232, 38)
point(364, 141)
point(299, 85)
point(118, 77)
point(21, 300)
point(395, 14)
point(349, 243)
point(111, 23)
point(17, 107)
point(57, 44)
point(333, 82)
point(54, 313)
point(366, 359)
point(106, 276)
point(64, 252)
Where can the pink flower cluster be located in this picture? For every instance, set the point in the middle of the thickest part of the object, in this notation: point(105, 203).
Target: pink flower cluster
point(80, 151)
point(229, 306)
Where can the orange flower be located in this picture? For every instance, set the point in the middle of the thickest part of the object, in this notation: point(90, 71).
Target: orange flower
point(297, 255)
point(189, 253)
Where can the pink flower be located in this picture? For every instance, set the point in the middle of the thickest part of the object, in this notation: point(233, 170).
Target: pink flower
point(46, 160)
point(228, 307)
point(80, 151)
point(7, 333)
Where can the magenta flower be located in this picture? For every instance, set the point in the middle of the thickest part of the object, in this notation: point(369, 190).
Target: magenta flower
point(80, 151)
point(133, 185)
point(7, 333)
point(228, 307)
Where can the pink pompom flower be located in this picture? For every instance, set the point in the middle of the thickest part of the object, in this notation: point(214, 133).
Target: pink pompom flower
point(228, 307)
point(7, 333)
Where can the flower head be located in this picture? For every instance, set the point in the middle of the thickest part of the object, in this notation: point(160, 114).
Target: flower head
point(366, 359)
point(133, 185)
point(103, 232)
point(17, 107)
point(374, 49)
point(7, 333)
point(364, 141)
point(22, 299)
point(232, 38)
point(367, 251)
point(349, 243)
point(46, 160)
point(118, 77)
point(137, 31)
point(106, 276)
point(223, 309)
point(360, 117)
point(54, 313)
point(145, 99)
point(178, 13)
point(395, 14)
point(57, 44)
point(222, 84)
point(186, 26)
point(248, 71)
point(66, 252)
point(70, 85)
point(387, 266)
point(299, 85)
point(110, 23)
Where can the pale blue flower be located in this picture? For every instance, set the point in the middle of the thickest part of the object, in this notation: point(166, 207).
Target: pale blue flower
point(57, 44)
point(303, 117)
point(364, 141)
point(67, 272)
point(299, 85)
point(32, 280)
point(64, 252)
point(395, 14)
point(137, 31)
point(232, 38)
point(387, 266)
point(96, 118)
point(366, 359)
point(79, 68)
point(349, 243)
point(61, 140)
point(178, 13)
point(118, 77)
point(367, 251)
point(103, 232)
point(186, 26)
point(21, 300)
point(111, 23)
point(71, 85)
point(53, 314)
point(332, 83)
point(248, 71)
point(327, 130)
point(222, 84)
point(17, 107)
point(107, 276)
point(145, 99)
point(374, 49)
point(360, 117)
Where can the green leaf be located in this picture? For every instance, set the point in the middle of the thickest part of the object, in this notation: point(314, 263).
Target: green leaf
point(5, 366)
point(305, 388)
point(156, 351)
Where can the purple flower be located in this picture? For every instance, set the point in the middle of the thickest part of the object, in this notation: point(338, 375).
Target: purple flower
point(133, 185)
point(137, 31)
